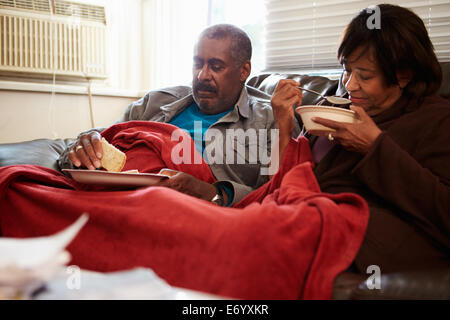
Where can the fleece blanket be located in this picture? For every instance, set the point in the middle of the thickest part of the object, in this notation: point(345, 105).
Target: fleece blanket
point(287, 240)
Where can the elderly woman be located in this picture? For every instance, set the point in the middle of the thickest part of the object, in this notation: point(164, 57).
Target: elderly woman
point(398, 156)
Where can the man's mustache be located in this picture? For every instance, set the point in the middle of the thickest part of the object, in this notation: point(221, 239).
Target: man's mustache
point(200, 86)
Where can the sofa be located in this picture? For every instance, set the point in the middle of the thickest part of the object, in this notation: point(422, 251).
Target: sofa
point(424, 284)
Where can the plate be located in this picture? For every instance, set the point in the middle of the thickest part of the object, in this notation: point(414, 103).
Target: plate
point(106, 178)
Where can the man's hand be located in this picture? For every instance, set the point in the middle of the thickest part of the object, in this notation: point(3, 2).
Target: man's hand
point(87, 151)
point(358, 136)
point(188, 184)
point(286, 96)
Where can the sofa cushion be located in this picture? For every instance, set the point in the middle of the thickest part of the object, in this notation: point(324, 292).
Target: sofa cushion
point(267, 83)
point(43, 152)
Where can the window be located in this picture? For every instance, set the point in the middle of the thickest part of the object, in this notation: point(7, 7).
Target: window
point(169, 31)
point(303, 36)
point(249, 15)
point(171, 27)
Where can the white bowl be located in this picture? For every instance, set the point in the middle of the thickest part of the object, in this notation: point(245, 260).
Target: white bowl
point(332, 113)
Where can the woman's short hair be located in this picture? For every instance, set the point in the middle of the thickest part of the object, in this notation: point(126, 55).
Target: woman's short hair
point(400, 43)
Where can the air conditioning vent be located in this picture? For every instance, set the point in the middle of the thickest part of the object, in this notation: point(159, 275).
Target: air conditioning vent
point(64, 8)
point(80, 10)
point(69, 43)
point(34, 5)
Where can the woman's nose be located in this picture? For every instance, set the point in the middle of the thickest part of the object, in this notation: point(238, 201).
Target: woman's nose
point(351, 84)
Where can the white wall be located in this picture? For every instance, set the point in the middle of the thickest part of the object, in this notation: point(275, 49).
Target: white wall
point(33, 115)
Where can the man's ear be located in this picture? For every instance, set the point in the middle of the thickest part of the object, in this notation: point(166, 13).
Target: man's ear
point(246, 69)
point(404, 77)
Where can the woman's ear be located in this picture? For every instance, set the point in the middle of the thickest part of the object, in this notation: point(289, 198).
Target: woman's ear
point(404, 77)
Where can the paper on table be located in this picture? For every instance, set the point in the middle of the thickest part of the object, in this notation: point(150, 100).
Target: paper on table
point(31, 252)
point(26, 264)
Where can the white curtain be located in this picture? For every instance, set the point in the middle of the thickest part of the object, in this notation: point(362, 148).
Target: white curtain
point(123, 19)
point(150, 43)
point(169, 31)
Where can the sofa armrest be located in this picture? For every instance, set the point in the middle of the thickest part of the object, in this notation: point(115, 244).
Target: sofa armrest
point(409, 285)
point(43, 152)
point(345, 284)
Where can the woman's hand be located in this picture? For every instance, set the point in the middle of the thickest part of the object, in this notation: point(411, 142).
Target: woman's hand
point(358, 136)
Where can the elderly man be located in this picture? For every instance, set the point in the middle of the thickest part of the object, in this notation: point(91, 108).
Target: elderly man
point(219, 104)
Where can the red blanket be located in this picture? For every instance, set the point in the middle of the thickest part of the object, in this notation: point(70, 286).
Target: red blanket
point(287, 240)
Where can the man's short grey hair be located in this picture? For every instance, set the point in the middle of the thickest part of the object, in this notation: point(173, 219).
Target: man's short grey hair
point(241, 46)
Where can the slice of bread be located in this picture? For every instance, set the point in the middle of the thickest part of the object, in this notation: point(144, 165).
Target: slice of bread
point(113, 159)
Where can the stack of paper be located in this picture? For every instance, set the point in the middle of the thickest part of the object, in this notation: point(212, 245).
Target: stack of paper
point(134, 284)
point(26, 264)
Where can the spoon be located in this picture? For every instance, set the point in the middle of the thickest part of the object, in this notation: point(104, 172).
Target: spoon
point(330, 99)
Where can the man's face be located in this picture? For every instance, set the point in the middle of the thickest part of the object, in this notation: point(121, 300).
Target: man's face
point(217, 78)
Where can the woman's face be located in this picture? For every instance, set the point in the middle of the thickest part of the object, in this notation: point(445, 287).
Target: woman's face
point(366, 84)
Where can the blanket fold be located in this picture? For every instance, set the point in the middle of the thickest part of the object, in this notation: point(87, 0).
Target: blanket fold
point(287, 240)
